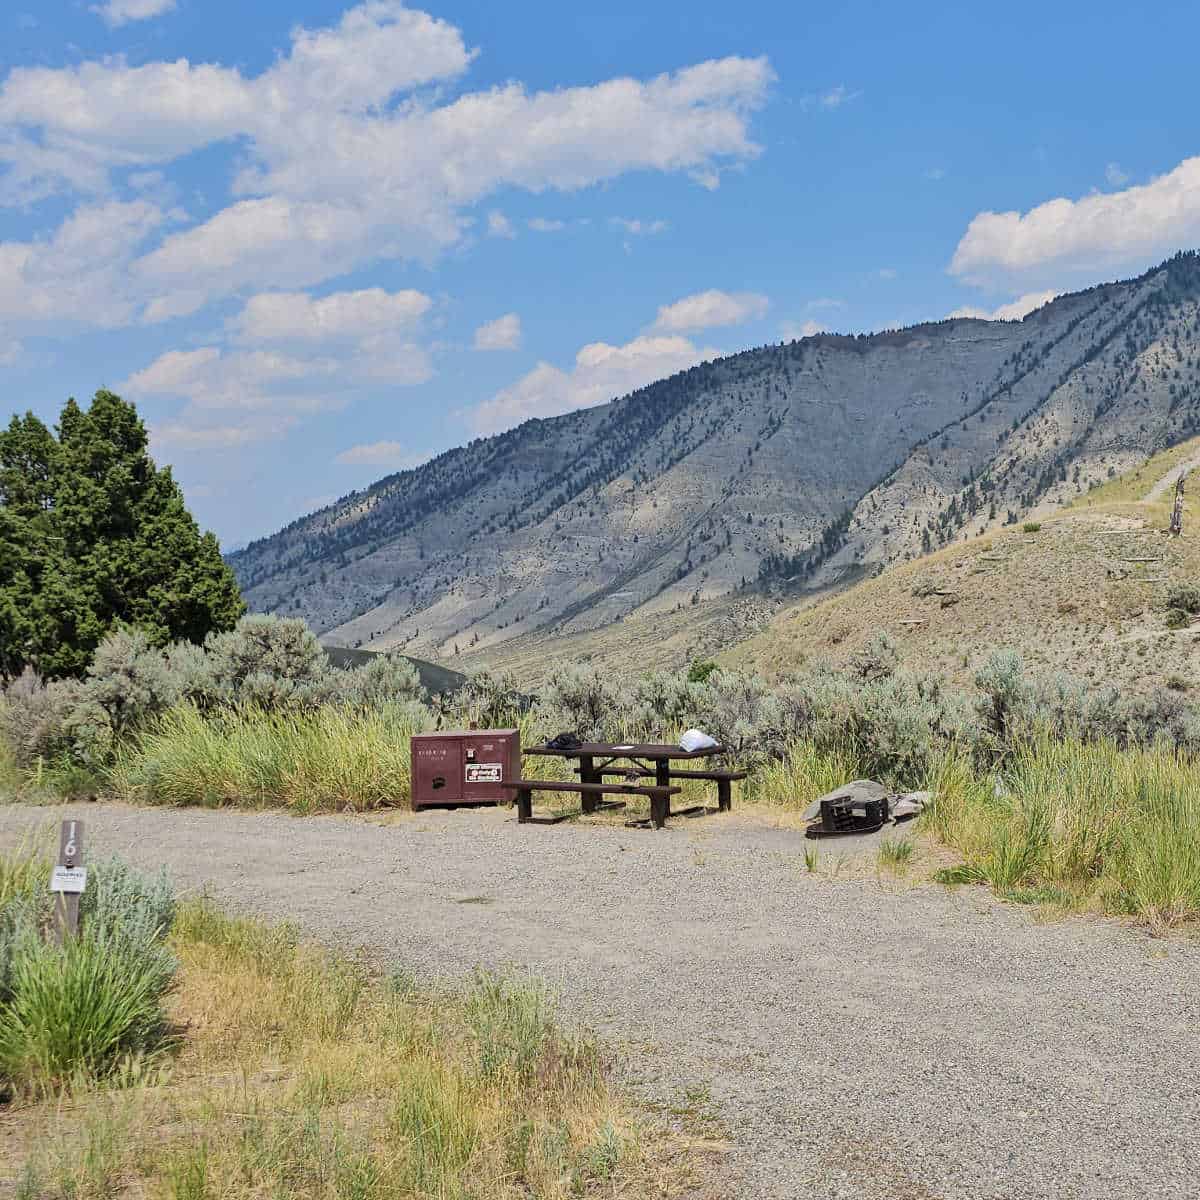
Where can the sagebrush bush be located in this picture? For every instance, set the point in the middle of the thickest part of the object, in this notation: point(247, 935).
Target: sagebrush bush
point(878, 659)
point(264, 659)
point(1185, 596)
point(586, 701)
point(33, 717)
point(488, 700)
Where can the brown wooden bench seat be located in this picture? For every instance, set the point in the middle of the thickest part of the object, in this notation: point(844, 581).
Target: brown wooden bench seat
point(723, 779)
point(589, 794)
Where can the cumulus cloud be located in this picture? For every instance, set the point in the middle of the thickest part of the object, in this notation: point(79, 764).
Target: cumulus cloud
point(711, 309)
point(546, 225)
point(296, 316)
point(504, 333)
point(378, 454)
point(793, 331)
point(601, 372)
point(1014, 310)
point(79, 275)
point(120, 12)
point(289, 354)
point(1063, 239)
point(344, 160)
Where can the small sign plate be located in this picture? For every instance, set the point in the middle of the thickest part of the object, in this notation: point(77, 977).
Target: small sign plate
point(485, 773)
point(68, 879)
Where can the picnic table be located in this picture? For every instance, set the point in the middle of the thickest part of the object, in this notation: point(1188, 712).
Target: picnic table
point(632, 762)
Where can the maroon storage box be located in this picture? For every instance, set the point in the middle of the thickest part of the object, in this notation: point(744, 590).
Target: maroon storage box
point(464, 767)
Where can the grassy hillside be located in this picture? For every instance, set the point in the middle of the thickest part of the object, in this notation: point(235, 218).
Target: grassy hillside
point(1083, 590)
point(435, 679)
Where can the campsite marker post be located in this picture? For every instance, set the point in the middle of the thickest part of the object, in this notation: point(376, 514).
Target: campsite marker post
point(68, 880)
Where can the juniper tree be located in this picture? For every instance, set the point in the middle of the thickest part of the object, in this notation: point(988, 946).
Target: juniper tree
point(94, 535)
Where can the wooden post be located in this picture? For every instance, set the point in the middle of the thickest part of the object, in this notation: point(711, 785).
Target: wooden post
point(68, 880)
point(1177, 511)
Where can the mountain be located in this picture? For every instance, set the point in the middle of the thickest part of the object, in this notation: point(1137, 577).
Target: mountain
point(791, 468)
point(1086, 590)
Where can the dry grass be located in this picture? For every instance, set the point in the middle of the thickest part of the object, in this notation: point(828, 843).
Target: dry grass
point(300, 1075)
point(1067, 598)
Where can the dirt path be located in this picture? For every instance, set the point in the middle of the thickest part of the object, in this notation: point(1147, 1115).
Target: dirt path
point(859, 1038)
point(1167, 482)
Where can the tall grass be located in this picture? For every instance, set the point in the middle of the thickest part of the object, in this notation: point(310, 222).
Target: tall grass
point(301, 1075)
point(332, 759)
point(94, 1006)
point(805, 772)
point(1115, 828)
point(84, 1008)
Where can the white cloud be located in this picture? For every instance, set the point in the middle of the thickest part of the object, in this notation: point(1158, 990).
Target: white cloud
point(545, 225)
point(1115, 176)
point(887, 273)
point(1015, 310)
point(378, 454)
point(296, 316)
point(825, 302)
point(601, 373)
point(936, 174)
point(793, 331)
point(504, 333)
point(1061, 238)
point(80, 274)
point(10, 352)
point(343, 163)
point(707, 310)
point(500, 226)
point(121, 12)
point(638, 228)
point(214, 378)
point(180, 436)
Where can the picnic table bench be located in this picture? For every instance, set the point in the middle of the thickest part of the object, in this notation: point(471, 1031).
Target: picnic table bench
point(628, 761)
point(589, 794)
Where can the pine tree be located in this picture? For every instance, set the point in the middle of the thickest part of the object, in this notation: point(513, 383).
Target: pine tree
point(99, 536)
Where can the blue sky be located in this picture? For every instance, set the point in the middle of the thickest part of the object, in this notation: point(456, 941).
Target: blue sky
point(318, 242)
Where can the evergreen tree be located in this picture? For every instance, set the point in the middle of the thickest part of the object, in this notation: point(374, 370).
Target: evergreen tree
point(93, 535)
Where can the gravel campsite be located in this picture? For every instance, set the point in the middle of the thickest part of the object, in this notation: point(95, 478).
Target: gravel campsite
point(850, 1034)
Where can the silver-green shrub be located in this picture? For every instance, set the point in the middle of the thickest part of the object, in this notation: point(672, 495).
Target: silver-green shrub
point(586, 701)
point(488, 700)
point(264, 660)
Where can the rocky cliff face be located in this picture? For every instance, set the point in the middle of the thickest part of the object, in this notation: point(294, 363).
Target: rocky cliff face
point(784, 467)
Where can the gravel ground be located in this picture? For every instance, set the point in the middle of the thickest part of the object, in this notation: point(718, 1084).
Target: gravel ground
point(859, 1038)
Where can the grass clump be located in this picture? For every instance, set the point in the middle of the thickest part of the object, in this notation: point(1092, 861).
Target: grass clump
point(1032, 526)
point(1113, 829)
point(300, 1074)
point(93, 1007)
point(896, 853)
point(331, 759)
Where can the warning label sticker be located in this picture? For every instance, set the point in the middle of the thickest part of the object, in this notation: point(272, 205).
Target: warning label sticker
point(485, 773)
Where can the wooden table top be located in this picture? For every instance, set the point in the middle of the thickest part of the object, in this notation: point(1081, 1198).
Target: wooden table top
point(625, 750)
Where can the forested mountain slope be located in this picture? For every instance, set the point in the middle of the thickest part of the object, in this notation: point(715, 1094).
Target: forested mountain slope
point(786, 467)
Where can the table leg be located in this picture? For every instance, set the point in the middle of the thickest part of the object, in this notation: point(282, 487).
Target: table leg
point(587, 774)
point(662, 777)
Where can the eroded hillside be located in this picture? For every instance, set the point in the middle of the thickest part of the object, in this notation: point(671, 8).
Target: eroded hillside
point(793, 466)
point(1083, 591)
